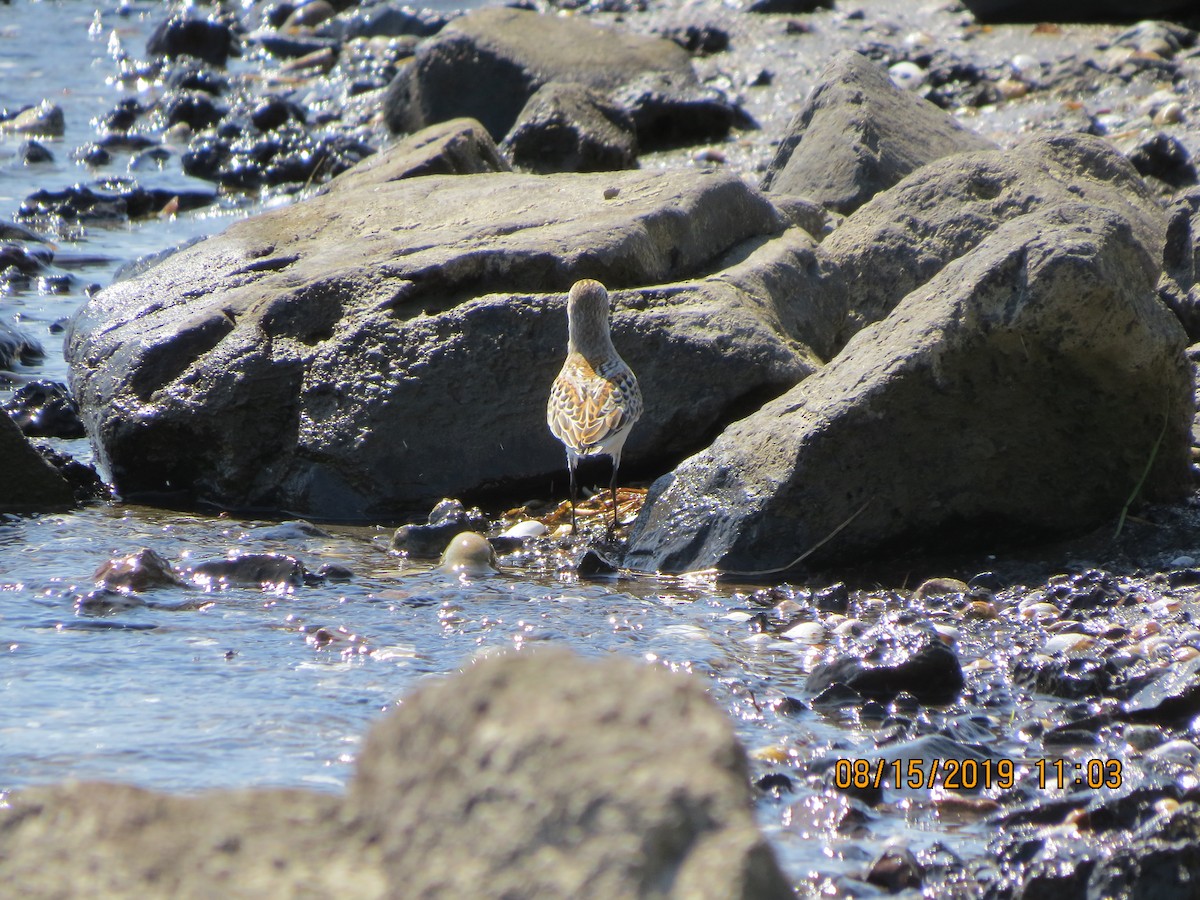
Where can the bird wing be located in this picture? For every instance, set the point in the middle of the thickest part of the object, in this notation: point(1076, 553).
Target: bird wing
point(587, 408)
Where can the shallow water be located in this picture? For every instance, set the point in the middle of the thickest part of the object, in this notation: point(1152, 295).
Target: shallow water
point(237, 687)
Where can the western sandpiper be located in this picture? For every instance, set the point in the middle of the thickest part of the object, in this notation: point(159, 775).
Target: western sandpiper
point(595, 399)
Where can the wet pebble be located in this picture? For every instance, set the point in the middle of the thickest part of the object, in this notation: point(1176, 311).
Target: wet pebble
point(32, 153)
point(469, 554)
point(186, 34)
point(530, 528)
point(141, 571)
point(265, 570)
point(446, 520)
point(913, 660)
point(44, 119)
point(895, 870)
point(45, 409)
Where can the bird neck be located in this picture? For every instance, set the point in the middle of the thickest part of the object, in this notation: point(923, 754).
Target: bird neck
point(590, 338)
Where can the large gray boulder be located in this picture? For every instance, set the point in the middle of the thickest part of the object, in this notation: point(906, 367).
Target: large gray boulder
point(29, 483)
point(858, 134)
point(489, 62)
point(535, 775)
point(907, 234)
point(1023, 390)
point(377, 348)
point(597, 779)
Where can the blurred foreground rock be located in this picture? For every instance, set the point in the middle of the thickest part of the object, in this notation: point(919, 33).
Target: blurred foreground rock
point(535, 775)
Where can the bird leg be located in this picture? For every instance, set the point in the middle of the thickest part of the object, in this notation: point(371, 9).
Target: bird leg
point(574, 496)
point(613, 489)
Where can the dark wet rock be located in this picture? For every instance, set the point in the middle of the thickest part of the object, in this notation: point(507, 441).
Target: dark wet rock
point(792, 7)
point(85, 482)
point(31, 153)
point(30, 483)
point(185, 34)
point(1075, 10)
point(571, 128)
point(265, 570)
point(289, 154)
point(27, 260)
point(17, 347)
point(123, 116)
point(298, 530)
point(836, 696)
point(1164, 157)
point(150, 160)
point(291, 46)
point(81, 203)
point(457, 147)
point(383, 20)
point(45, 409)
point(487, 64)
point(672, 110)
point(106, 601)
point(699, 39)
point(607, 736)
point(301, 360)
point(1072, 678)
point(834, 598)
point(908, 234)
point(1008, 339)
point(144, 570)
point(125, 142)
point(334, 572)
point(195, 109)
point(1171, 698)
point(274, 111)
point(895, 870)
point(775, 784)
point(1161, 859)
point(91, 155)
point(196, 76)
point(448, 519)
point(858, 134)
point(1086, 591)
point(916, 662)
point(594, 564)
point(620, 774)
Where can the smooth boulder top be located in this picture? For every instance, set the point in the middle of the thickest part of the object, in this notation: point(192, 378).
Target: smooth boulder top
point(858, 134)
point(1021, 391)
